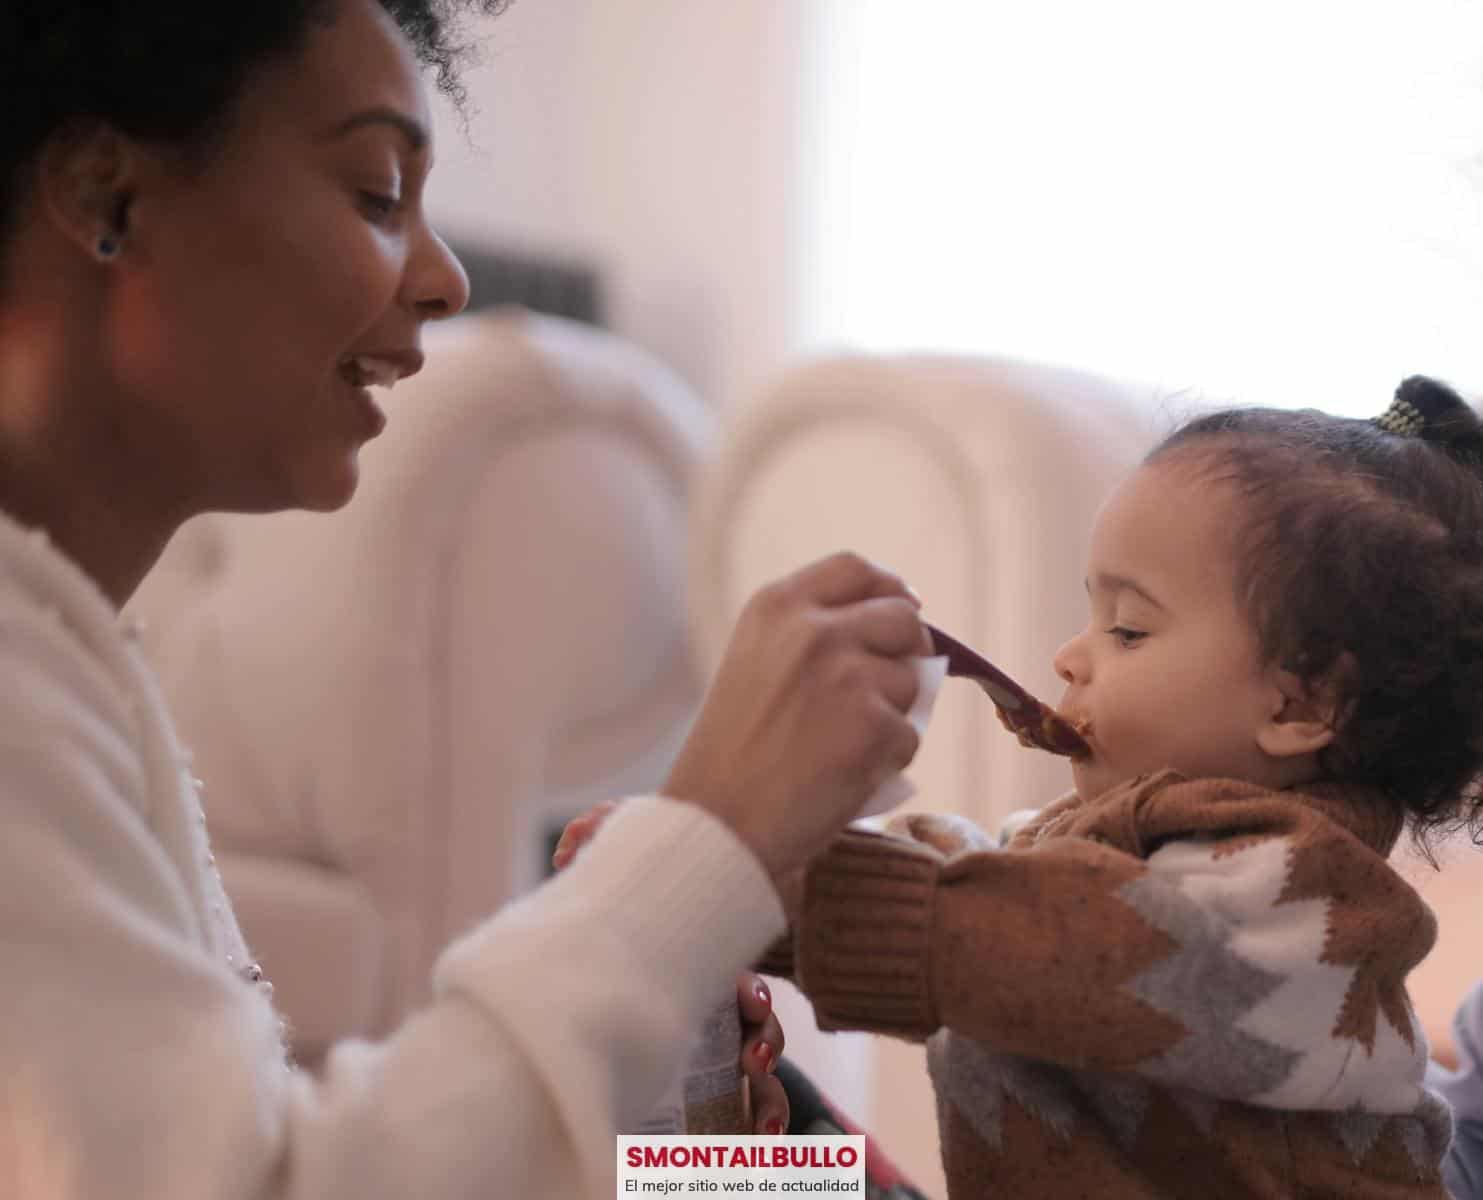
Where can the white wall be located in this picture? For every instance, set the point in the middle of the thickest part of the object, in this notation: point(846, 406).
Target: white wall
point(657, 141)
point(1252, 199)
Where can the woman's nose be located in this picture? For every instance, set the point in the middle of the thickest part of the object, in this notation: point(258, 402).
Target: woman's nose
point(440, 285)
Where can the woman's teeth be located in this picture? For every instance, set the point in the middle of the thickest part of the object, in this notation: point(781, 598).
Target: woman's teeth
point(362, 371)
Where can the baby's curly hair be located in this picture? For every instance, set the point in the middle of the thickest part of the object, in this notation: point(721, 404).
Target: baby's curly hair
point(1360, 565)
point(167, 70)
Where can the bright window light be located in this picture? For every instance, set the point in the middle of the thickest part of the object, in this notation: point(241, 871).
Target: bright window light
point(1278, 200)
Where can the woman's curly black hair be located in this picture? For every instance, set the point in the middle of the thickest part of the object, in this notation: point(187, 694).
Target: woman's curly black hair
point(1360, 565)
point(167, 70)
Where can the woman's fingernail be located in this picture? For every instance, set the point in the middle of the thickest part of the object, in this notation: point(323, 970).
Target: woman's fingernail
point(763, 1053)
point(774, 1127)
point(761, 992)
point(916, 597)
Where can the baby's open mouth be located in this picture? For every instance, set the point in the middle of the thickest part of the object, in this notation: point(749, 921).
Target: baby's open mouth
point(1083, 727)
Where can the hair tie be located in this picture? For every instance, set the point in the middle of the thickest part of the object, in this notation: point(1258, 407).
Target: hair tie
point(1428, 409)
point(1402, 418)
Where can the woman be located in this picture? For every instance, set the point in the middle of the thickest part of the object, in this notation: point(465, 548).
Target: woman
point(211, 241)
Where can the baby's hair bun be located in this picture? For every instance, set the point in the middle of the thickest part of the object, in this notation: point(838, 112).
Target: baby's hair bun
point(1428, 409)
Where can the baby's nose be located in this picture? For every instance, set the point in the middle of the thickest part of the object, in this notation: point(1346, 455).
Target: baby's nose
point(1064, 662)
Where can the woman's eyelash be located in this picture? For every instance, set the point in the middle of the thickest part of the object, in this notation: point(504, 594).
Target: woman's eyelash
point(1126, 637)
point(379, 205)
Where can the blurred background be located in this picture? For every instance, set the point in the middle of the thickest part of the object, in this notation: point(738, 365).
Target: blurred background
point(1268, 199)
point(921, 280)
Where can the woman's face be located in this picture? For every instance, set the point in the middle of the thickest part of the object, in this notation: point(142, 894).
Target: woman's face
point(251, 296)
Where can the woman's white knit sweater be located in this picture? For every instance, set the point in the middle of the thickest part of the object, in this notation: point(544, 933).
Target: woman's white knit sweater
point(136, 1061)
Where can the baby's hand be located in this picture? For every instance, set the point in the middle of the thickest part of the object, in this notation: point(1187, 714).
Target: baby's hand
point(581, 830)
point(948, 834)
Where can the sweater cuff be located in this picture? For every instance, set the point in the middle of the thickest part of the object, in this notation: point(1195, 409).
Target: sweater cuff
point(678, 883)
point(664, 886)
point(864, 944)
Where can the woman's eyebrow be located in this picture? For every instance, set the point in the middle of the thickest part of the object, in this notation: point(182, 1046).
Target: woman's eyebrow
point(1106, 581)
point(409, 127)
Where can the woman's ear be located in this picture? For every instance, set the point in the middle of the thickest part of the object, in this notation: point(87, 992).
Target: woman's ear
point(1304, 717)
point(84, 179)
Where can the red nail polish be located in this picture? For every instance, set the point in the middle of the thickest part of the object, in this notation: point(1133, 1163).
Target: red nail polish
point(761, 992)
point(763, 1051)
point(774, 1127)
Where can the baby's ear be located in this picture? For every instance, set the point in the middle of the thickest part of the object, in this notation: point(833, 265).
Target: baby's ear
point(1305, 715)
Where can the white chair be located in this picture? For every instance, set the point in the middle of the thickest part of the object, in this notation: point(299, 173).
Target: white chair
point(393, 707)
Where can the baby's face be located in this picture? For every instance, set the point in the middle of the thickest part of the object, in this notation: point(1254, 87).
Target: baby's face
point(1167, 670)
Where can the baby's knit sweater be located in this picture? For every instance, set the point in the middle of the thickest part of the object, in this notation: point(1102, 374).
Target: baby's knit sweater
point(1182, 988)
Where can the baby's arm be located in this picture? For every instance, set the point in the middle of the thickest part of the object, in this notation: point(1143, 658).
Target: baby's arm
point(1247, 959)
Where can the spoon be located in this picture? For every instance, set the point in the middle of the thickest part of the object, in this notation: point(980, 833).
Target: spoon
point(1035, 724)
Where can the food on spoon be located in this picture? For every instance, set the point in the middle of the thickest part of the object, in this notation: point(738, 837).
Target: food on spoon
point(1042, 728)
point(1035, 724)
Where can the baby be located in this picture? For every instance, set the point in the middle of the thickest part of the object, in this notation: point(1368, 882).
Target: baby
point(1188, 976)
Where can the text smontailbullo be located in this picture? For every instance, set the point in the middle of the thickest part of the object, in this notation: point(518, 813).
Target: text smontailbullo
point(761, 1156)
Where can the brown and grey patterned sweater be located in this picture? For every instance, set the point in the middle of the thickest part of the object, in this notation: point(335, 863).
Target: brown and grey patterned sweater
point(1183, 988)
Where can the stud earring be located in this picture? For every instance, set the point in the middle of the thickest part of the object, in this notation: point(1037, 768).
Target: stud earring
point(107, 247)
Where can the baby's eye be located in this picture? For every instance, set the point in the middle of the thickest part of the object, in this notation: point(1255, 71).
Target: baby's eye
point(1126, 637)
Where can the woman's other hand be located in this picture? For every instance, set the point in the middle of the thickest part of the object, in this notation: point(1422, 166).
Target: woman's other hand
point(762, 1046)
point(806, 715)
